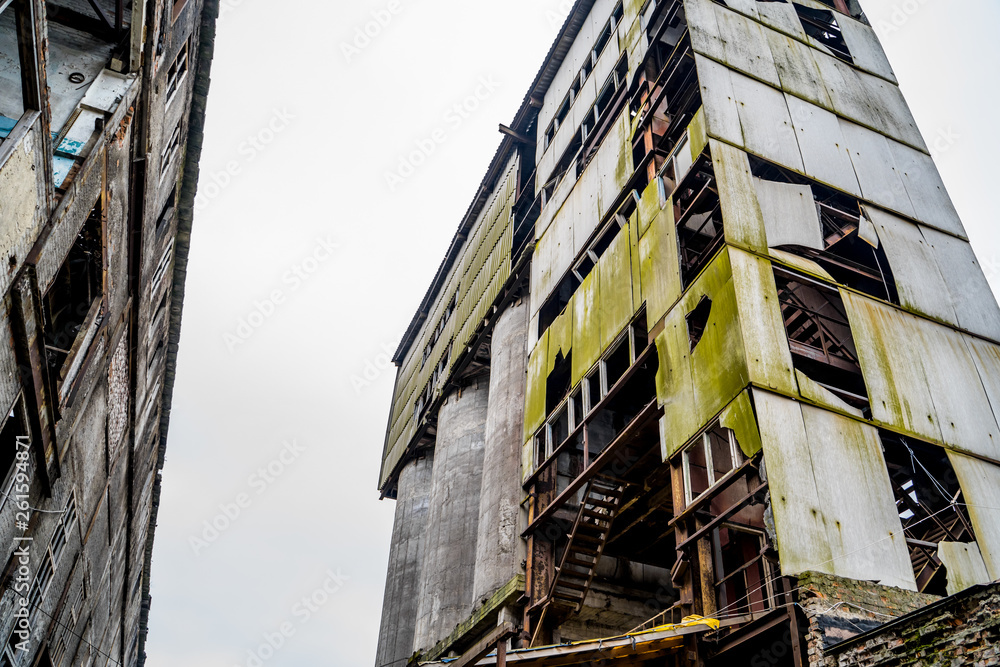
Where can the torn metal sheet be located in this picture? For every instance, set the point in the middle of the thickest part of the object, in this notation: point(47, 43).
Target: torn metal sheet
point(801, 263)
point(964, 565)
point(816, 393)
point(738, 417)
point(814, 454)
point(790, 214)
point(744, 222)
point(980, 482)
point(767, 356)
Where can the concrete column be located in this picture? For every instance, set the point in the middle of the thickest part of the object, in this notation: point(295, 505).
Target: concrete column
point(406, 555)
point(453, 523)
point(500, 549)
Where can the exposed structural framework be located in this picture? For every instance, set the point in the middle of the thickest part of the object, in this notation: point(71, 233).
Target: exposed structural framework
point(101, 114)
point(709, 349)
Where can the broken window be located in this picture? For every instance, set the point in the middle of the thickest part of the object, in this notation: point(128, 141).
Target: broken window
point(821, 25)
point(72, 305)
point(170, 151)
point(819, 336)
point(712, 456)
point(743, 572)
point(930, 505)
point(699, 218)
point(841, 247)
point(177, 72)
point(14, 429)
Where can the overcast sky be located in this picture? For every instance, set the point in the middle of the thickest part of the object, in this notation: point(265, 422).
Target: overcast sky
point(307, 262)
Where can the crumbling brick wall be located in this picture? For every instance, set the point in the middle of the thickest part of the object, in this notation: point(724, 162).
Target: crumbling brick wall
point(840, 608)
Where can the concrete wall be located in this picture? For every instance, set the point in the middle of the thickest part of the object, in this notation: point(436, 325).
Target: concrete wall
point(453, 524)
point(500, 549)
point(402, 583)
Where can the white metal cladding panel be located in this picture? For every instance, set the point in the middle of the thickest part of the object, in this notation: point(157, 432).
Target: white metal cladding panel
point(973, 300)
point(876, 170)
point(767, 125)
point(767, 55)
point(980, 482)
point(721, 113)
point(833, 505)
point(925, 189)
point(824, 151)
point(790, 215)
point(865, 47)
point(963, 564)
point(561, 82)
point(781, 16)
point(922, 377)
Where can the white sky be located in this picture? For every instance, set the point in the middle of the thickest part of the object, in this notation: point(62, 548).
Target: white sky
point(314, 369)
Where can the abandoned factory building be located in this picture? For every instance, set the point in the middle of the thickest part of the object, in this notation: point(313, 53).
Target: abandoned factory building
point(709, 374)
point(101, 114)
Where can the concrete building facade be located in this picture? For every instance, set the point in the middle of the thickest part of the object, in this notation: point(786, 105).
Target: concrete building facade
point(715, 275)
point(101, 113)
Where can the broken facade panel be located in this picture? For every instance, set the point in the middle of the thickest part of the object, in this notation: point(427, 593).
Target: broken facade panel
point(91, 314)
point(756, 337)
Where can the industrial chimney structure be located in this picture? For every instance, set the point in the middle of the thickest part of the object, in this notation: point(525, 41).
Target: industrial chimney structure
point(709, 374)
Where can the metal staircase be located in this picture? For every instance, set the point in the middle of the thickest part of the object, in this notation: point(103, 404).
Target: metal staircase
point(575, 573)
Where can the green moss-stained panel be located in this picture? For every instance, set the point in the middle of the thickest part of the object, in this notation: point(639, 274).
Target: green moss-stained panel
point(615, 266)
point(635, 263)
point(812, 454)
point(744, 223)
point(980, 482)
point(660, 265)
point(697, 134)
point(801, 264)
point(534, 400)
point(922, 377)
point(740, 419)
point(560, 337)
point(964, 565)
point(586, 326)
point(694, 385)
point(649, 205)
point(764, 338)
point(816, 393)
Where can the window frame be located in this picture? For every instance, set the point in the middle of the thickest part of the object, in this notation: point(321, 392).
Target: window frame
point(704, 440)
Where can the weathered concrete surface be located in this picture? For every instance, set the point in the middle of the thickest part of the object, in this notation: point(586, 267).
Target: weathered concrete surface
point(453, 522)
point(402, 582)
point(500, 549)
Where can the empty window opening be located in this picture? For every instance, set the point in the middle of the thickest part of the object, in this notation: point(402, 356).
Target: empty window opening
point(930, 505)
point(848, 258)
point(177, 73)
point(707, 460)
point(170, 151)
point(819, 336)
point(699, 218)
point(821, 25)
point(603, 39)
point(697, 320)
point(177, 9)
point(744, 575)
point(557, 385)
point(72, 305)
